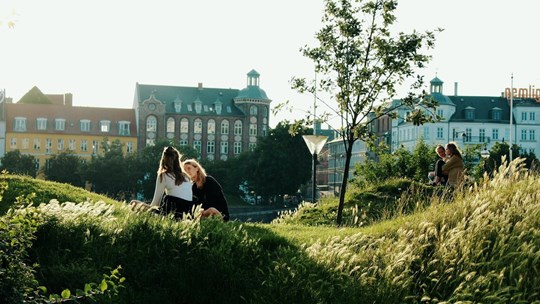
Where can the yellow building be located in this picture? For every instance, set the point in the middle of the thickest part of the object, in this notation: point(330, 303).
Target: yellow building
point(43, 125)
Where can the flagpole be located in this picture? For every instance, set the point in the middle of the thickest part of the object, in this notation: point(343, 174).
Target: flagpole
point(511, 112)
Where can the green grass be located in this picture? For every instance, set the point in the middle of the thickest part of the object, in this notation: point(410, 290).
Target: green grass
point(479, 245)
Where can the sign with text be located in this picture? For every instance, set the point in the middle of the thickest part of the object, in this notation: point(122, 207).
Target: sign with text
point(530, 92)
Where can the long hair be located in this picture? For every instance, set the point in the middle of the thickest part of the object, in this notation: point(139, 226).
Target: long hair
point(452, 146)
point(200, 178)
point(170, 164)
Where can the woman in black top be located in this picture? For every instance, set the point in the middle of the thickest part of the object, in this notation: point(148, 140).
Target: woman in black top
point(206, 191)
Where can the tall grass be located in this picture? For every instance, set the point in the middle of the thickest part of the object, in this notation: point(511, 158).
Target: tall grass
point(476, 245)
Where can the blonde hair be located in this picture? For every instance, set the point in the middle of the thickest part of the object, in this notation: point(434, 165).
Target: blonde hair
point(200, 178)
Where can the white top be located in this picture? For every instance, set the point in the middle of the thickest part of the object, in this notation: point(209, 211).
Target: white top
point(182, 191)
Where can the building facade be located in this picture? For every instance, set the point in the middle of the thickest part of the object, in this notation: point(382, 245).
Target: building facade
point(471, 120)
point(43, 125)
point(218, 123)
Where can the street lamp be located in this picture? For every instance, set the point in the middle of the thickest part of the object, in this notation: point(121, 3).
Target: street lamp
point(315, 143)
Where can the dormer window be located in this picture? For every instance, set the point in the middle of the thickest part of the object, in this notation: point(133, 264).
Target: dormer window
point(20, 124)
point(218, 107)
point(105, 126)
point(198, 106)
point(469, 113)
point(496, 113)
point(41, 123)
point(177, 105)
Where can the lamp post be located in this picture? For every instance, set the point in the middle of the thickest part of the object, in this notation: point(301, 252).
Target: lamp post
point(315, 143)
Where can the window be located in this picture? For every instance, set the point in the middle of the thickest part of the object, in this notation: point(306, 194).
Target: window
point(211, 127)
point(237, 148)
point(124, 128)
point(170, 125)
point(439, 132)
point(20, 124)
point(184, 125)
point(496, 114)
point(85, 125)
point(84, 145)
point(532, 116)
point(105, 125)
point(211, 147)
point(469, 114)
point(198, 106)
point(253, 129)
point(41, 123)
point(37, 144)
point(197, 128)
point(468, 135)
point(25, 143)
point(238, 127)
point(523, 135)
point(197, 145)
point(72, 144)
point(48, 146)
point(252, 146)
point(495, 134)
point(265, 111)
point(523, 116)
point(440, 112)
point(426, 132)
point(532, 135)
point(13, 143)
point(60, 124)
point(129, 147)
point(482, 135)
point(253, 110)
point(224, 147)
point(60, 144)
point(184, 143)
point(225, 127)
point(264, 130)
point(151, 124)
point(150, 142)
point(95, 147)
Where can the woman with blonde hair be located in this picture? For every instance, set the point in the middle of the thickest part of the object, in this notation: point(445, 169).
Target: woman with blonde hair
point(175, 183)
point(206, 191)
point(454, 166)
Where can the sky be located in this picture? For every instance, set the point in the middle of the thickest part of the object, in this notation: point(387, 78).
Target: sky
point(98, 50)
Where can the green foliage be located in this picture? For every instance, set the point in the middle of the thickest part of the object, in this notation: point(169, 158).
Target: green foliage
point(280, 163)
point(44, 191)
point(64, 168)
point(17, 163)
point(113, 173)
point(400, 164)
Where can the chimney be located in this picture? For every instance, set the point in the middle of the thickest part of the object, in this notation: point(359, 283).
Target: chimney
point(200, 86)
point(455, 89)
point(68, 99)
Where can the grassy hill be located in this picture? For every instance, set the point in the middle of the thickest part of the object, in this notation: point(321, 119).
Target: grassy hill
point(478, 245)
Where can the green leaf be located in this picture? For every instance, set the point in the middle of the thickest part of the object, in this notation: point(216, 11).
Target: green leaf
point(66, 294)
point(103, 286)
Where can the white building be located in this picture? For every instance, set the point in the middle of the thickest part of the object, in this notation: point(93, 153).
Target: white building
point(472, 120)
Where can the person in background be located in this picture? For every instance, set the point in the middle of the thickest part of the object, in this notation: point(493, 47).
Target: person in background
point(454, 166)
point(176, 185)
point(440, 178)
point(206, 191)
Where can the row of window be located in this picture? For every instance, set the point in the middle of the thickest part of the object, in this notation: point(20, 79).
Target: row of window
point(61, 145)
point(20, 125)
point(151, 126)
point(211, 146)
point(530, 115)
point(199, 107)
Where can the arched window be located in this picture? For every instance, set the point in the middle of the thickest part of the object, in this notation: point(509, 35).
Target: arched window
point(238, 127)
point(197, 128)
point(265, 111)
point(151, 124)
point(211, 127)
point(170, 125)
point(225, 127)
point(184, 125)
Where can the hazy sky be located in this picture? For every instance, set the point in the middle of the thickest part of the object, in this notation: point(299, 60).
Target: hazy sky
point(99, 49)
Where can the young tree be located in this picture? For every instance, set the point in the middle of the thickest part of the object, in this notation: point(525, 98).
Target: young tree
point(361, 63)
point(17, 163)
